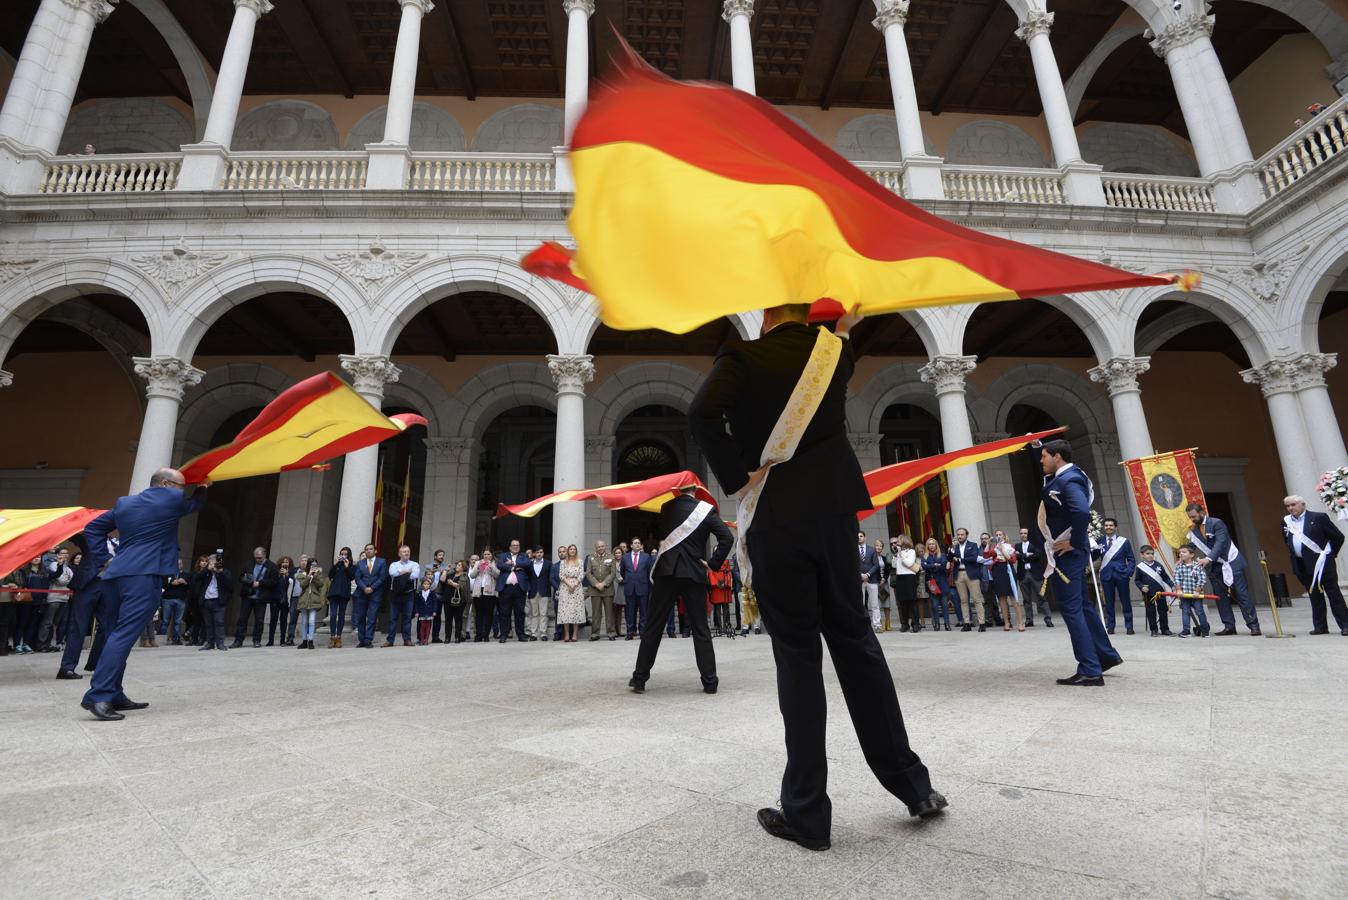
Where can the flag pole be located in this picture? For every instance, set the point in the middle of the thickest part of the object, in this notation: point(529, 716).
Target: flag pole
point(1272, 600)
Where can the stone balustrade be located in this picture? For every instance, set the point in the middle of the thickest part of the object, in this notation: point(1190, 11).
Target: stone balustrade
point(1158, 192)
point(296, 171)
point(1315, 143)
point(110, 174)
point(995, 184)
point(527, 172)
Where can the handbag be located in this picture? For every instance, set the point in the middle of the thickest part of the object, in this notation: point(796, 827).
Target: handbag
point(933, 588)
point(23, 597)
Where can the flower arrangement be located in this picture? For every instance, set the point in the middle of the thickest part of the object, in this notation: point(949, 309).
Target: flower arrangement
point(1096, 530)
point(1333, 488)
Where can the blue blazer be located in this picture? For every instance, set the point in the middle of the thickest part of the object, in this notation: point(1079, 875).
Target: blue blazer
point(555, 575)
point(371, 575)
point(1122, 566)
point(1218, 538)
point(870, 564)
point(636, 582)
point(967, 556)
point(1146, 584)
point(1066, 498)
point(521, 566)
point(147, 524)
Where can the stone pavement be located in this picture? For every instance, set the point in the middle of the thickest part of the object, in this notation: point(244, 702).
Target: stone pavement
point(1204, 768)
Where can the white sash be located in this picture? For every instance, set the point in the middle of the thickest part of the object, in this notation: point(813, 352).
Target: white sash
point(1114, 548)
point(1050, 555)
point(683, 529)
point(1299, 539)
point(1227, 574)
point(790, 428)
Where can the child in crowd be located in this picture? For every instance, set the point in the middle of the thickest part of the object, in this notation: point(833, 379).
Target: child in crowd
point(425, 606)
point(1152, 579)
point(313, 597)
point(1190, 578)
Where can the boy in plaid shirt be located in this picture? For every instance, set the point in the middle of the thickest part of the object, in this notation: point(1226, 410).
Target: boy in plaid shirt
point(1190, 578)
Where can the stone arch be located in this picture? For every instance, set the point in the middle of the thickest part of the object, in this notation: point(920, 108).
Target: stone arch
point(112, 335)
point(1299, 311)
point(1129, 26)
point(1232, 306)
point(1316, 16)
point(195, 71)
point(433, 129)
point(747, 324)
point(1126, 147)
point(39, 289)
point(990, 142)
point(1155, 335)
point(499, 388)
point(522, 128)
point(418, 288)
point(896, 383)
point(224, 391)
point(280, 125)
point(127, 125)
point(210, 297)
point(874, 138)
point(1071, 398)
point(417, 389)
point(640, 384)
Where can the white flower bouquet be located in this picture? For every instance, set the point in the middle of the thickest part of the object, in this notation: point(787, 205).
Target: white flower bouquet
point(1333, 488)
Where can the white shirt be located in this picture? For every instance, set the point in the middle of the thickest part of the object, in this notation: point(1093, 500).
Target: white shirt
point(410, 567)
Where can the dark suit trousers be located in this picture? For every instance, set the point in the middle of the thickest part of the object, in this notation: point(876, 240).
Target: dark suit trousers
point(636, 613)
point(1241, 587)
point(137, 597)
point(512, 601)
point(1329, 587)
point(258, 609)
point(804, 575)
point(666, 592)
point(213, 616)
point(84, 605)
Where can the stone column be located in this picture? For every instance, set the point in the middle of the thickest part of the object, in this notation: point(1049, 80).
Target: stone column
point(1214, 125)
point(1279, 380)
point(1081, 182)
point(1322, 424)
point(922, 173)
point(737, 13)
point(999, 489)
point(866, 445)
point(167, 378)
point(578, 14)
point(355, 511)
point(306, 513)
point(571, 373)
point(204, 163)
point(1119, 376)
point(449, 503)
point(389, 158)
point(946, 375)
point(599, 470)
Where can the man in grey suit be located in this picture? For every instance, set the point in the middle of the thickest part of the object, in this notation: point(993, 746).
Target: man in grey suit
point(1226, 568)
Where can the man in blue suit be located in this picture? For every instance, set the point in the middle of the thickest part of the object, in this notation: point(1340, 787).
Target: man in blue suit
point(371, 579)
point(870, 579)
point(1117, 563)
point(1226, 568)
point(512, 591)
point(635, 567)
point(1065, 514)
point(88, 603)
point(148, 526)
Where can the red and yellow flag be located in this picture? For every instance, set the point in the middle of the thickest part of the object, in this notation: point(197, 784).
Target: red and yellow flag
point(924, 512)
point(947, 522)
point(402, 512)
point(648, 495)
point(696, 201)
point(893, 481)
point(319, 419)
point(377, 526)
point(26, 533)
point(1162, 486)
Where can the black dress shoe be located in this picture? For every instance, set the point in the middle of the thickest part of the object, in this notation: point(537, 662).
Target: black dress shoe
point(1225, 632)
point(1344, 632)
point(614, 637)
point(257, 644)
point(68, 675)
point(629, 637)
point(593, 638)
point(932, 806)
point(88, 667)
point(1255, 632)
point(1048, 622)
point(103, 711)
point(1080, 680)
point(1130, 631)
point(710, 688)
point(503, 640)
point(1106, 666)
point(124, 705)
point(638, 687)
point(238, 642)
point(982, 628)
point(775, 824)
point(1319, 631)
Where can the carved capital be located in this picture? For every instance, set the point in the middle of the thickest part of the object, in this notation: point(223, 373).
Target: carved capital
point(166, 376)
point(865, 443)
point(892, 12)
point(6, 378)
point(451, 449)
point(424, 5)
point(1183, 31)
point(1036, 21)
point(1311, 369)
point(732, 8)
point(572, 5)
point(946, 373)
point(600, 444)
point(987, 437)
point(99, 9)
point(1277, 376)
point(1119, 375)
point(571, 373)
point(369, 373)
point(259, 7)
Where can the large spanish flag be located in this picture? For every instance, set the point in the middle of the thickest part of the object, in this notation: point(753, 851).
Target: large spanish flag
point(887, 483)
point(648, 495)
point(26, 533)
point(696, 201)
point(319, 419)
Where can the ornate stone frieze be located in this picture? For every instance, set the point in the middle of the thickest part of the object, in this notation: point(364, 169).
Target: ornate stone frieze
point(891, 12)
point(12, 267)
point(1119, 375)
point(571, 373)
point(374, 265)
point(99, 9)
point(599, 444)
point(1265, 278)
point(177, 267)
point(1311, 369)
point(865, 443)
point(732, 8)
point(1183, 31)
point(369, 372)
point(166, 376)
point(451, 449)
point(1036, 21)
point(946, 373)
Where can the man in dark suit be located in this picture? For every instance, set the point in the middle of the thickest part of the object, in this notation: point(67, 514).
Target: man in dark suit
point(89, 603)
point(1314, 542)
point(1117, 563)
point(512, 591)
point(800, 552)
point(148, 526)
point(681, 572)
point(257, 583)
point(1065, 502)
point(870, 579)
point(1226, 568)
point(211, 586)
point(967, 578)
point(1028, 566)
point(371, 580)
point(635, 567)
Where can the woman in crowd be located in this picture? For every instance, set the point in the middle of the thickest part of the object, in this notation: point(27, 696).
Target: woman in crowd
point(51, 632)
point(934, 569)
point(425, 607)
point(32, 578)
point(904, 579)
point(570, 597)
point(194, 619)
point(9, 585)
point(340, 579)
point(313, 597)
point(280, 599)
point(483, 574)
point(1002, 556)
point(456, 592)
point(885, 594)
point(293, 602)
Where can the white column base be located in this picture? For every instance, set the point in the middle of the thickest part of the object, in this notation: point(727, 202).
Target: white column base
point(203, 168)
point(922, 178)
point(390, 164)
point(1082, 185)
point(1237, 190)
point(562, 178)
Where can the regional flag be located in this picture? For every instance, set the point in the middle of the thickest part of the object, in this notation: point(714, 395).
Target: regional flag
point(696, 201)
point(402, 512)
point(889, 482)
point(26, 533)
point(377, 526)
point(648, 495)
point(319, 419)
point(924, 511)
point(947, 522)
point(1162, 486)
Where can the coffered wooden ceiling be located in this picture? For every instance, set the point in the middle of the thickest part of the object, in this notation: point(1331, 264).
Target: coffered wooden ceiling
point(823, 53)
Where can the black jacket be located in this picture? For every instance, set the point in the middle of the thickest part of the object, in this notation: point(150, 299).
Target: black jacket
point(266, 585)
point(224, 583)
point(684, 560)
point(1320, 529)
point(740, 402)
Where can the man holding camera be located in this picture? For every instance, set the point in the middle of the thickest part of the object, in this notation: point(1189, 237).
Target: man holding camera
point(211, 586)
point(255, 590)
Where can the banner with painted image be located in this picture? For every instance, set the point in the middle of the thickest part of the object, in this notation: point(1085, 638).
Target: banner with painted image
point(1163, 485)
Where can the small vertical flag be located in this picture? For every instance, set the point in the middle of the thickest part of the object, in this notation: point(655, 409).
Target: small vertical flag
point(378, 537)
point(905, 525)
point(945, 509)
point(924, 511)
point(402, 512)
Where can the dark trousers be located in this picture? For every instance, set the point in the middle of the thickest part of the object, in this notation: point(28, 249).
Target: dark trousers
point(453, 616)
point(511, 602)
point(635, 612)
point(435, 627)
point(337, 615)
point(1113, 588)
point(213, 617)
point(258, 610)
point(193, 624)
point(136, 599)
point(664, 595)
point(1031, 594)
point(400, 617)
point(1241, 587)
point(293, 620)
point(1158, 613)
point(804, 575)
point(29, 618)
point(7, 620)
point(483, 606)
point(280, 609)
point(366, 613)
point(1090, 644)
point(85, 606)
point(1328, 587)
